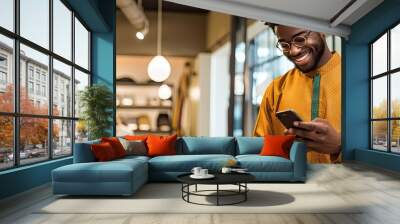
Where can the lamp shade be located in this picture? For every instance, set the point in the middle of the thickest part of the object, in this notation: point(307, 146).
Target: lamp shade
point(159, 69)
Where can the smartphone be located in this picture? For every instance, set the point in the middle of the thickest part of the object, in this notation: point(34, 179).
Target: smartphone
point(287, 117)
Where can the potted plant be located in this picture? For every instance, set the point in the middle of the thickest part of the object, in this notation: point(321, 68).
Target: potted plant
point(96, 104)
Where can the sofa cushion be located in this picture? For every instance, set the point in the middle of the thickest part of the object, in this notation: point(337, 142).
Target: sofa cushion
point(112, 171)
point(277, 145)
point(103, 152)
point(185, 163)
point(134, 147)
point(249, 145)
point(161, 145)
point(116, 145)
point(206, 145)
point(257, 163)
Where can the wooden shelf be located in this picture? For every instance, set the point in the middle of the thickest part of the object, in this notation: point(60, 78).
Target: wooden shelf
point(122, 83)
point(152, 132)
point(146, 107)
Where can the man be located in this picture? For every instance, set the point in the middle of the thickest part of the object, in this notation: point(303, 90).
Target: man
point(312, 89)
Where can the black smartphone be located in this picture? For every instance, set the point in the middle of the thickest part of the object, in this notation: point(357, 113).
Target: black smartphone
point(287, 117)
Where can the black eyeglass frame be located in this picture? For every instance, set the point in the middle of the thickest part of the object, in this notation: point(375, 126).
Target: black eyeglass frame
point(289, 44)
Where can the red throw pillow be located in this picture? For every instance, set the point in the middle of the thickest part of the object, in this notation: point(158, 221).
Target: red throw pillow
point(103, 152)
point(277, 145)
point(136, 137)
point(116, 145)
point(161, 145)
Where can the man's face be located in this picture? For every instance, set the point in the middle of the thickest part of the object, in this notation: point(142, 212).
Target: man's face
point(305, 58)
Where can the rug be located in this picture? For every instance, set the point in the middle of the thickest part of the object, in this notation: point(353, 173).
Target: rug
point(166, 198)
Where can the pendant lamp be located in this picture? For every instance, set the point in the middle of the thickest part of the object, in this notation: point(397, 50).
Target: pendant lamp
point(159, 68)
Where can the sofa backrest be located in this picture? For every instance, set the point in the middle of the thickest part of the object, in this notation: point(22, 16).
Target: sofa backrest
point(83, 153)
point(249, 145)
point(206, 145)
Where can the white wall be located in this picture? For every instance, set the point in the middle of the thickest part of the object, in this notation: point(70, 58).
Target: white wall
point(203, 69)
point(219, 91)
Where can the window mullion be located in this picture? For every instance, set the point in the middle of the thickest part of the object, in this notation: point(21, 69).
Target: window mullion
point(16, 85)
point(50, 81)
point(73, 82)
point(389, 104)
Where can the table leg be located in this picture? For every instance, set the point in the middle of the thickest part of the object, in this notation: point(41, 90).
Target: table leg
point(217, 194)
point(245, 191)
point(196, 188)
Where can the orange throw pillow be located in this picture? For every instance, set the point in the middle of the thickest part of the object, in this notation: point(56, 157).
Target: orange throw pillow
point(277, 145)
point(103, 152)
point(136, 137)
point(116, 145)
point(161, 145)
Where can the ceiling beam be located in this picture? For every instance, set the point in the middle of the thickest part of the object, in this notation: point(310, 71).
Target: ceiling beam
point(266, 14)
point(347, 11)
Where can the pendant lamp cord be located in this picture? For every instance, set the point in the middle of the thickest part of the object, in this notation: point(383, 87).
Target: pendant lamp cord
point(159, 27)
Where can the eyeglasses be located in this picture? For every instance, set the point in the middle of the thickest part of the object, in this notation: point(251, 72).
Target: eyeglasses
point(298, 41)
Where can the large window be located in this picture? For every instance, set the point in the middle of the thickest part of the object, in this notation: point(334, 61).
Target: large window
point(385, 95)
point(266, 62)
point(44, 64)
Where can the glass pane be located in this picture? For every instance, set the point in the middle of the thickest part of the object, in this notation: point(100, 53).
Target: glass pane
point(6, 74)
point(395, 47)
point(395, 94)
point(7, 14)
point(81, 81)
point(81, 131)
point(62, 29)
point(379, 135)
point(379, 98)
point(62, 138)
point(33, 139)
point(240, 56)
point(6, 142)
point(34, 78)
point(35, 21)
point(81, 45)
point(62, 89)
point(395, 136)
point(379, 55)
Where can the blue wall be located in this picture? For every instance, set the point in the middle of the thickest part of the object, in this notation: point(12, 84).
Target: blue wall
point(99, 16)
point(356, 85)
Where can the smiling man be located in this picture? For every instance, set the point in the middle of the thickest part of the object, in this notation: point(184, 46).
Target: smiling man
point(312, 89)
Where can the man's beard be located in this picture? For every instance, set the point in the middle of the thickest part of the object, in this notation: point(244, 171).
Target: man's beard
point(316, 62)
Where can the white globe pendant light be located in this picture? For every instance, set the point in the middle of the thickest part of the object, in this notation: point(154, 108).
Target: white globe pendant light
point(159, 68)
point(164, 92)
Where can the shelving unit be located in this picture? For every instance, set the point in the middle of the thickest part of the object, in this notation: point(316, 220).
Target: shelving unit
point(145, 90)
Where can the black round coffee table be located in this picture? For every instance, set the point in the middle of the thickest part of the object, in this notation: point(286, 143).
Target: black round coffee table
point(238, 179)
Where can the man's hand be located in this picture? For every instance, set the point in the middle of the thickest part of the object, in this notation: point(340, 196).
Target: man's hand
point(318, 134)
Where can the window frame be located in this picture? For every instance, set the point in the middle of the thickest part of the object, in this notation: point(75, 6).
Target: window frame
point(388, 74)
point(16, 115)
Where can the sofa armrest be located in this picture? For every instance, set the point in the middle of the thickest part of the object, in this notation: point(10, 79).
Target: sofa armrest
point(298, 155)
point(83, 152)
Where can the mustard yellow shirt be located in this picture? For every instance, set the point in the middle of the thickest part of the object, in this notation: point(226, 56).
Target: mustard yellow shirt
point(293, 90)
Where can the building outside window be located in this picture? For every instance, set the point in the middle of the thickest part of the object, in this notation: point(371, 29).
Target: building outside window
point(56, 127)
point(385, 95)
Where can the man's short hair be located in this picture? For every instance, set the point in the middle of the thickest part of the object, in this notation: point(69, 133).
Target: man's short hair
point(273, 26)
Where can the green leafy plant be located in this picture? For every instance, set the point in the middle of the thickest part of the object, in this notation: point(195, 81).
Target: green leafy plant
point(96, 103)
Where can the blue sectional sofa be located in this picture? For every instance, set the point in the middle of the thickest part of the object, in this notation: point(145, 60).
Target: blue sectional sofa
point(125, 176)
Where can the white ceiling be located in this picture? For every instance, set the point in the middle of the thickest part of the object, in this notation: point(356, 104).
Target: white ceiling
point(319, 15)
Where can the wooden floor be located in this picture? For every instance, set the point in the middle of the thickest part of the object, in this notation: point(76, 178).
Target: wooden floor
point(377, 188)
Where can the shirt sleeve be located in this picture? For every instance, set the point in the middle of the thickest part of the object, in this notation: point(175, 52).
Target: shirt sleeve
point(264, 119)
